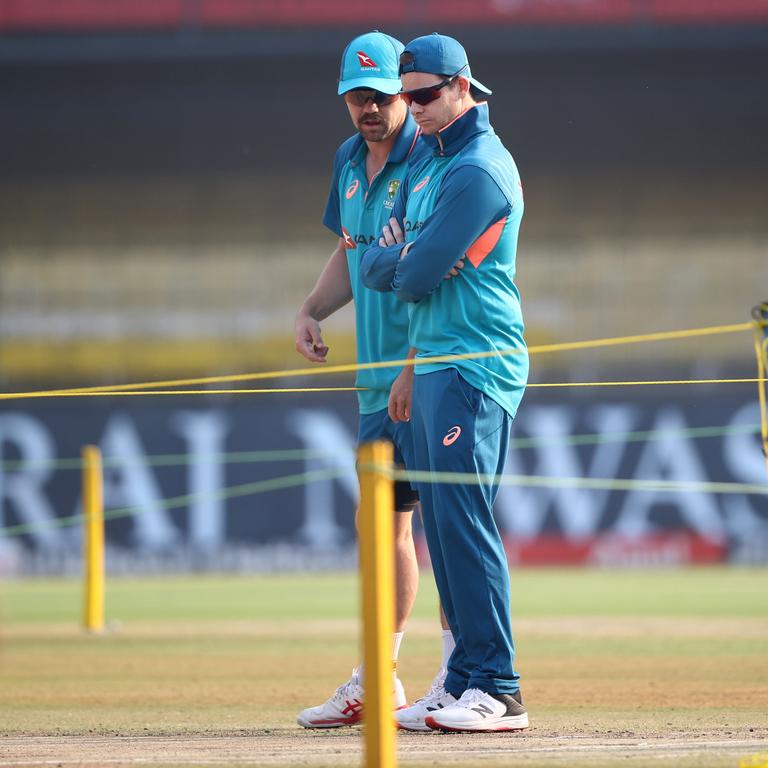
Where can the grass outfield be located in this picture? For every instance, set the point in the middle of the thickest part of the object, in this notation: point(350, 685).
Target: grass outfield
point(633, 667)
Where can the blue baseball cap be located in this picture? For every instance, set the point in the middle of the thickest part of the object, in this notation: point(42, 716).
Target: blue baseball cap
point(438, 55)
point(371, 61)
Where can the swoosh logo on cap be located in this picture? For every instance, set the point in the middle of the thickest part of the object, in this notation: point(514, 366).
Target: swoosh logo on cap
point(452, 436)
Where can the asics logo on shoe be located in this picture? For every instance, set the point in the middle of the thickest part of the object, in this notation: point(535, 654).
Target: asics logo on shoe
point(352, 708)
point(452, 436)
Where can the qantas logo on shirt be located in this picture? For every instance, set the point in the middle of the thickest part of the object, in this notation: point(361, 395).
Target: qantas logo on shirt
point(351, 189)
point(352, 241)
point(423, 183)
point(349, 243)
point(366, 61)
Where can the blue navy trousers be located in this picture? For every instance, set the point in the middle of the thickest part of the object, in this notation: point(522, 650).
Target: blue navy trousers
point(457, 428)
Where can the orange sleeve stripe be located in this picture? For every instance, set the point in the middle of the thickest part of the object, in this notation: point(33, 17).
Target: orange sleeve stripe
point(486, 242)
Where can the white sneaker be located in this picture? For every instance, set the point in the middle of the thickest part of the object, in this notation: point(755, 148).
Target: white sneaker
point(477, 710)
point(412, 718)
point(345, 707)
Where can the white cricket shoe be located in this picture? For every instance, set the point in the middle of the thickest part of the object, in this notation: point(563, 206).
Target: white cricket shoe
point(412, 718)
point(345, 707)
point(477, 710)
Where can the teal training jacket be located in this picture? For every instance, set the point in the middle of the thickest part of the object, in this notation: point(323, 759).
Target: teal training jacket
point(463, 201)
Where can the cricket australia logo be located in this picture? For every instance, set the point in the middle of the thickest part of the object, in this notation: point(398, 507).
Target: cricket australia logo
point(389, 200)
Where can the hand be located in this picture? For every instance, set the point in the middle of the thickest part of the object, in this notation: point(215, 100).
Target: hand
point(391, 234)
point(455, 270)
point(400, 394)
point(309, 339)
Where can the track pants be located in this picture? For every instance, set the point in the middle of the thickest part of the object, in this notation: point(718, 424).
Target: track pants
point(456, 428)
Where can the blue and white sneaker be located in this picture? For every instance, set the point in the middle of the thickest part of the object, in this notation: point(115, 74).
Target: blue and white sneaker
point(413, 718)
point(477, 710)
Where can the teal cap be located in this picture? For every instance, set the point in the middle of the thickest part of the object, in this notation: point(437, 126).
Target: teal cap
point(371, 61)
point(438, 55)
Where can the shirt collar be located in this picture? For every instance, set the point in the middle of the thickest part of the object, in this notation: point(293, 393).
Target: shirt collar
point(451, 138)
point(404, 141)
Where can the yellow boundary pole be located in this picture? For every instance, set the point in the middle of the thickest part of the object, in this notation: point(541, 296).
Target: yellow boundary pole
point(93, 540)
point(376, 534)
point(762, 400)
point(760, 313)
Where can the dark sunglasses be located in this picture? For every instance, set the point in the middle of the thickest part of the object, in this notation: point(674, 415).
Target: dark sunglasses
point(359, 98)
point(426, 96)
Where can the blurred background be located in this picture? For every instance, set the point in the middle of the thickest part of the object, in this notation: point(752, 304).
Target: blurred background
point(163, 169)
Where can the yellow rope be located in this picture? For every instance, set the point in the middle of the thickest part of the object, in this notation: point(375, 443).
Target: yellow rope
point(647, 383)
point(143, 392)
point(711, 330)
point(351, 367)
point(158, 392)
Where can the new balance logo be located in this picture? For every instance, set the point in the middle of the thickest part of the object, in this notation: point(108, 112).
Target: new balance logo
point(482, 709)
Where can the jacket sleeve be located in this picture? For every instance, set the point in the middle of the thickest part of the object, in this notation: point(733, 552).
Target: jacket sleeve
point(468, 203)
point(380, 266)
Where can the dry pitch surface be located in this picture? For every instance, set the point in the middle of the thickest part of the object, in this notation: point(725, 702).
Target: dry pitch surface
point(282, 747)
point(213, 671)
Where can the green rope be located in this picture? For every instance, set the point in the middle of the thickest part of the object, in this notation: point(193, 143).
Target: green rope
point(247, 457)
point(235, 491)
point(178, 459)
point(592, 483)
point(693, 433)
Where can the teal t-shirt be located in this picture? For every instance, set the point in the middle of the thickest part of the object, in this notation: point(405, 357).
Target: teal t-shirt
point(357, 212)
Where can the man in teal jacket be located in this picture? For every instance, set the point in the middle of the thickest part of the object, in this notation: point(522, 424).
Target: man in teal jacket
point(461, 206)
point(368, 170)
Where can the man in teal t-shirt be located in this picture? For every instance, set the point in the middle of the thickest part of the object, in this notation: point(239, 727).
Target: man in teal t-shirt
point(368, 170)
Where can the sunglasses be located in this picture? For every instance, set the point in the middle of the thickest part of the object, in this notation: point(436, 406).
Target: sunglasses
point(426, 96)
point(359, 98)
